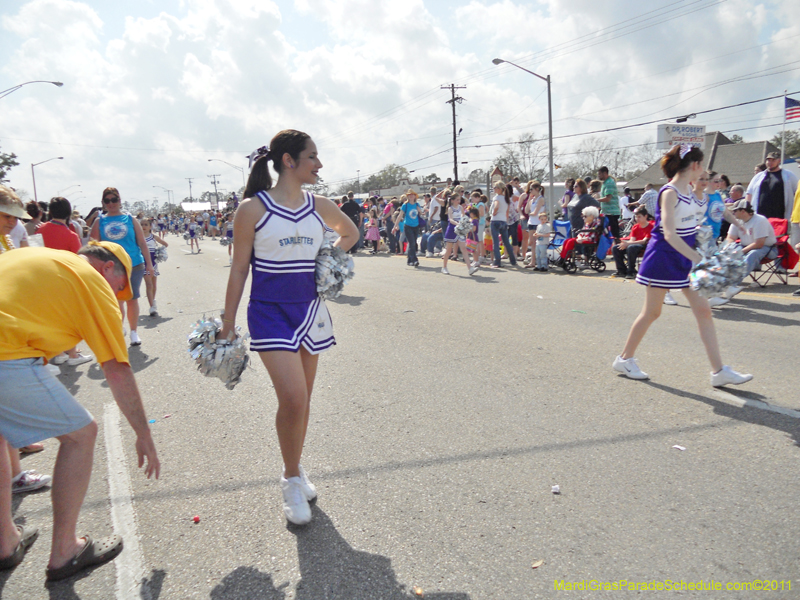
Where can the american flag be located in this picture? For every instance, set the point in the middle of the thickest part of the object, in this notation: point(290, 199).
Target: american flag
point(792, 109)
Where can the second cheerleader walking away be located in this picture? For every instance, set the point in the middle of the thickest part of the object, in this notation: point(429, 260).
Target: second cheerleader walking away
point(668, 260)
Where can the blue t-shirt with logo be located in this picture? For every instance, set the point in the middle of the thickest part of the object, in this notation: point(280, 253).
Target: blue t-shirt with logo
point(411, 212)
point(714, 211)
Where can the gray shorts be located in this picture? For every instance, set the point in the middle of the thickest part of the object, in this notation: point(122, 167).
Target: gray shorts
point(137, 273)
point(34, 405)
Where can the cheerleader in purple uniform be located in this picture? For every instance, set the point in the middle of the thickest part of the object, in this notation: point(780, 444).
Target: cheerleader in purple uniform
point(667, 261)
point(278, 231)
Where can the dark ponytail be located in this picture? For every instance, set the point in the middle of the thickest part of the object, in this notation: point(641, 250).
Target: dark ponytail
point(288, 141)
point(508, 192)
point(672, 163)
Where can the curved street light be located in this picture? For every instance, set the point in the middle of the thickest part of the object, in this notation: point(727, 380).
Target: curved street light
point(33, 174)
point(168, 193)
point(59, 192)
point(499, 61)
point(11, 90)
point(240, 169)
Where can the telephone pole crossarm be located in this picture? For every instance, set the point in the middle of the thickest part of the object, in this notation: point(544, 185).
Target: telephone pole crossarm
point(452, 102)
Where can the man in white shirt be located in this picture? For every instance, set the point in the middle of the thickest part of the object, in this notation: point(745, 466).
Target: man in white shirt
point(757, 238)
point(649, 199)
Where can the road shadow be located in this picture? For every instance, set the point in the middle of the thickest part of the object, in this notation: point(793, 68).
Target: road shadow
point(746, 414)
point(244, 583)
point(759, 311)
point(153, 322)
point(331, 568)
point(151, 586)
point(349, 300)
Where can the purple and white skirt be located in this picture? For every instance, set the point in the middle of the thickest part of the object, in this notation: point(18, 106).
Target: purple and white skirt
point(663, 266)
point(289, 325)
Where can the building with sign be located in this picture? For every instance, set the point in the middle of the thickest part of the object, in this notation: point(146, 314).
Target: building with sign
point(721, 155)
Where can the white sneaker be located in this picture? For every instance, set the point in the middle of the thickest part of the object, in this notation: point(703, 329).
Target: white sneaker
point(308, 488)
point(718, 301)
point(733, 290)
point(727, 375)
point(135, 339)
point(629, 368)
point(27, 481)
point(473, 269)
point(60, 359)
point(445, 271)
point(154, 310)
point(79, 360)
point(668, 299)
point(51, 368)
point(295, 502)
point(429, 255)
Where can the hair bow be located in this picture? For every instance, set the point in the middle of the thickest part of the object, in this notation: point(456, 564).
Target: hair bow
point(257, 154)
point(685, 149)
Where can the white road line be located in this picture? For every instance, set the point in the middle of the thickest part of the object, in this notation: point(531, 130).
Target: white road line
point(742, 402)
point(129, 564)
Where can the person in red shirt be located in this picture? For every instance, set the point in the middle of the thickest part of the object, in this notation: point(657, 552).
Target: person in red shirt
point(633, 245)
point(57, 233)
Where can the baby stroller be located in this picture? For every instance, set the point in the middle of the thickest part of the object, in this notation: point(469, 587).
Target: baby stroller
point(585, 247)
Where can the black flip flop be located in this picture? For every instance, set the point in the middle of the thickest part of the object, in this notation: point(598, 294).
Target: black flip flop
point(93, 553)
point(27, 537)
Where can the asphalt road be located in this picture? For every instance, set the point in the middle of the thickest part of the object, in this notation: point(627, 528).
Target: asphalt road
point(440, 422)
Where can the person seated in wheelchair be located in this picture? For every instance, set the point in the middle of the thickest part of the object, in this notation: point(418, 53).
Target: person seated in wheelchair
point(587, 237)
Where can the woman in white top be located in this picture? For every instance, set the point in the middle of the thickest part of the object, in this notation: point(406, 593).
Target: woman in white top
point(499, 226)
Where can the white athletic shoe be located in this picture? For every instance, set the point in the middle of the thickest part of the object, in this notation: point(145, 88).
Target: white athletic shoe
point(308, 488)
point(295, 502)
point(135, 339)
point(445, 271)
point(668, 299)
point(629, 368)
point(60, 359)
point(79, 359)
point(727, 375)
point(429, 255)
point(473, 269)
point(733, 290)
point(51, 368)
point(718, 301)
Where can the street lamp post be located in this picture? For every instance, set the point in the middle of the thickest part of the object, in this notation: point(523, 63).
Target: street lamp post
point(168, 193)
point(11, 90)
point(240, 169)
point(552, 201)
point(33, 173)
point(59, 192)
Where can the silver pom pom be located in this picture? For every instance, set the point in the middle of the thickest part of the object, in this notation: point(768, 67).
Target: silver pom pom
point(225, 241)
point(224, 359)
point(186, 235)
point(464, 226)
point(161, 254)
point(712, 276)
point(334, 268)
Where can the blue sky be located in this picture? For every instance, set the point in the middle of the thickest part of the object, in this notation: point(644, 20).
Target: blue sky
point(153, 90)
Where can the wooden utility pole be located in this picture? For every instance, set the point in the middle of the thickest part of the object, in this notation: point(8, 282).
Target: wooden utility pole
point(453, 87)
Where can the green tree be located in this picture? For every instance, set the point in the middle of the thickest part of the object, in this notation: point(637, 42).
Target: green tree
point(736, 139)
point(7, 162)
point(792, 143)
point(525, 158)
point(387, 177)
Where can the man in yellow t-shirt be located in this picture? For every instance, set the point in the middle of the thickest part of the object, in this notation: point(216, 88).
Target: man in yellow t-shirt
point(49, 301)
